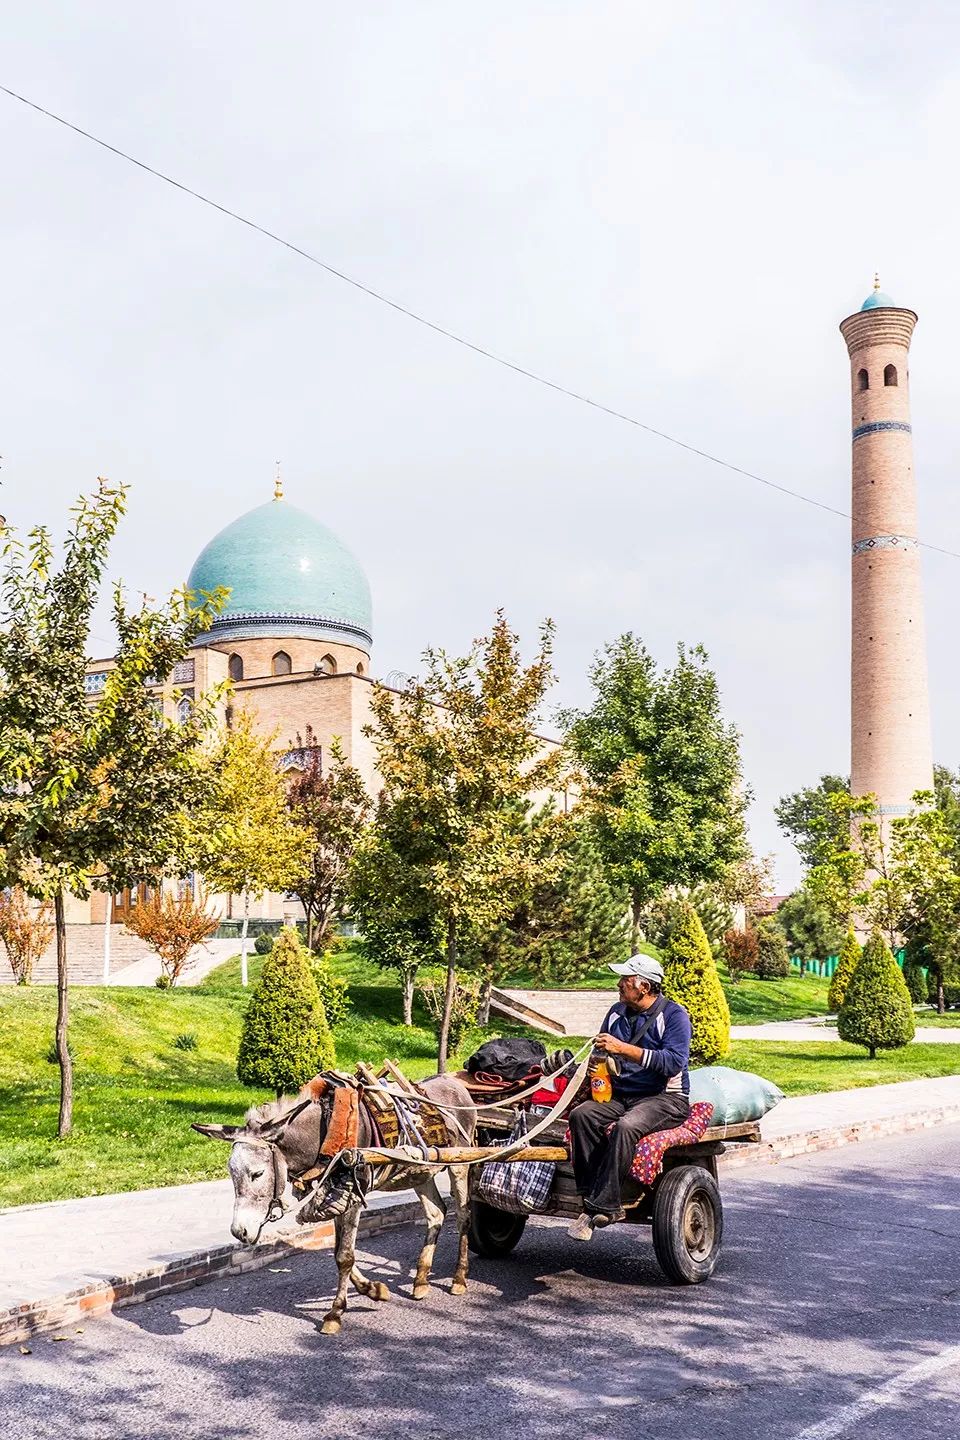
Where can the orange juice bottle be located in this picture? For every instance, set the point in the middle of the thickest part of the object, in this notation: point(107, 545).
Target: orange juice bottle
point(600, 1086)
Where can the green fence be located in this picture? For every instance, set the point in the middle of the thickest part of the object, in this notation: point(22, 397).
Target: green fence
point(825, 968)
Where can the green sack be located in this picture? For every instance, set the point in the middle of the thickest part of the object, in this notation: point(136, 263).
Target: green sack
point(736, 1095)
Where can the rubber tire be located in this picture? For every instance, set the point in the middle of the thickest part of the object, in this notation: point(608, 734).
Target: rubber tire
point(678, 1190)
point(493, 1232)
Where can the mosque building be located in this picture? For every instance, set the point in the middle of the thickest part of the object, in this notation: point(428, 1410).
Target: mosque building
point(294, 639)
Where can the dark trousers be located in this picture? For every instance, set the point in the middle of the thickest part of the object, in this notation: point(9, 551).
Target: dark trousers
point(600, 1163)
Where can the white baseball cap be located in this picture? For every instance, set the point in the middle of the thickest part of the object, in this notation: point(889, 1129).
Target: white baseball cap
point(643, 966)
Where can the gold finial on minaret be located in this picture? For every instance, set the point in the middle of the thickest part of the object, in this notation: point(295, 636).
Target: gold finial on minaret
point(876, 279)
point(278, 485)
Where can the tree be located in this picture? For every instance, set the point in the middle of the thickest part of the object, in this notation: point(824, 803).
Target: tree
point(691, 979)
point(847, 962)
point(285, 1039)
point(460, 760)
point(393, 942)
point(811, 926)
point(572, 920)
point(333, 808)
point(26, 930)
point(245, 839)
point(876, 1010)
point(863, 877)
point(94, 791)
point(915, 981)
point(811, 822)
point(172, 925)
point(773, 957)
point(740, 949)
point(924, 851)
point(664, 788)
point(333, 990)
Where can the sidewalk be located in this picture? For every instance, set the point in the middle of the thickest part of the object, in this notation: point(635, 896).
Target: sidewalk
point(73, 1259)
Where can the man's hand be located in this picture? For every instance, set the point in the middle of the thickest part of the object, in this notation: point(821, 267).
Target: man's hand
point(610, 1045)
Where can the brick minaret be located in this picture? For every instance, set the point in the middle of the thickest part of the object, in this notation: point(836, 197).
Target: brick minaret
point(890, 753)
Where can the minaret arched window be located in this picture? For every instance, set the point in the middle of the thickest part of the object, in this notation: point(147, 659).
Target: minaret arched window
point(890, 375)
point(281, 663)
point(236, 667)
point(863, 380)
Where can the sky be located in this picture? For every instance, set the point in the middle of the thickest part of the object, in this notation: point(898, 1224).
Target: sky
point(667, 208)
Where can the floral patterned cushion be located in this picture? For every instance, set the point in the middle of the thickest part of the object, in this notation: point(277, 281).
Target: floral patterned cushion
point(648, 1160)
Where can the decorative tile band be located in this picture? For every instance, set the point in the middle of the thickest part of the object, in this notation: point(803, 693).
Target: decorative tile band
point(895, 809)
point(886, 542)
point(877, 425)
point(225, 626)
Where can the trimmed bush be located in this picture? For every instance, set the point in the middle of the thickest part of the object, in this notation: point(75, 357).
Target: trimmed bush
point(877, 1011)
point(285, 1039)
point(740, 950)
point(847, 962)
point(773, 957)
point(692, 981)
point(916, 982)
point(263, 943)
point(334, 992)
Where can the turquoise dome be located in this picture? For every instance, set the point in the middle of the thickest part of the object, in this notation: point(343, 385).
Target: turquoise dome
point(287, 575)
point(877, 300)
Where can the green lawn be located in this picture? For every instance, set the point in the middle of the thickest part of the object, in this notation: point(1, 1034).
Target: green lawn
point(807, 1068)
point(754, 1001)
point(930, 1017)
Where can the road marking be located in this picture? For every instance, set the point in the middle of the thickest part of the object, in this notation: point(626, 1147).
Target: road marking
point(886, 1394)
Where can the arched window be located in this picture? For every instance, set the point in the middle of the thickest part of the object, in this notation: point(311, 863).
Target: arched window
point(281, 663)
point(328, 666)
point(360, 669)
point(890, 375)
point(236, 667)
point(184, 706)
point(863, 380)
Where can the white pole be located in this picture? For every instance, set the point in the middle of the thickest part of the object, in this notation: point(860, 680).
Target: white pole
point(106, 939)
point(243, 939)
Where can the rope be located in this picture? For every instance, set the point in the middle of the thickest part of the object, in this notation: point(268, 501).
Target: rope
point(393, 1091)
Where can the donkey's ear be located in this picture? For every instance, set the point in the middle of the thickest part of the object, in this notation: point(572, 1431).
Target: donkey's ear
point(220, 1132)
point(275, 1128)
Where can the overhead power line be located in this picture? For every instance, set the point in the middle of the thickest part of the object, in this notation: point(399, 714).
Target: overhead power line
point(435, 326)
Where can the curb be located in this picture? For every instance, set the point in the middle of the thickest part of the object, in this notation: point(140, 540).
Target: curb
point(88, 1302)
point(18, 1323)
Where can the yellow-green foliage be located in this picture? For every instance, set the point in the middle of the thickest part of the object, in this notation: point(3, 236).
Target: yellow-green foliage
point(692, 980)
point(286, 1039)
point(847, 962)
point(877, 1011)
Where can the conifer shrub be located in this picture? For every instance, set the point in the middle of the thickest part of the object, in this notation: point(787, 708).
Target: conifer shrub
point(263, 943)
point(334, 991)
point(876, 1010)
point(285, 1039)
point(773, 957)
point(847, 962)
point(916, 982)
point(692, 981)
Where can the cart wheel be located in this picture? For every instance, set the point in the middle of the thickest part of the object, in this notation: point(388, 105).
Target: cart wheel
point(687, 1224)
point(493, 1232)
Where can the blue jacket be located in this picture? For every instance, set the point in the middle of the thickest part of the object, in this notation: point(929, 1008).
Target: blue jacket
point(666, 1050)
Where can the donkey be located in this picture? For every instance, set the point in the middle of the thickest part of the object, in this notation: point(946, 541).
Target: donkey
point(281, 1140)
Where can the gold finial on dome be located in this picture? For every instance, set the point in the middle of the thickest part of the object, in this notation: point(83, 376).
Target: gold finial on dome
point(278, 485)
point(876, 279)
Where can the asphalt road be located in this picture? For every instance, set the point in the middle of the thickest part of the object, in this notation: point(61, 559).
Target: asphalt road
point(835, 1312)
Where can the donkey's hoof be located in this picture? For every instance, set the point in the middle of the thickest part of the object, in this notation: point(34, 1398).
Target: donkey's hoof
point(330, 1326)
point(379, 1291)
point(420, 1292)
point(459, 1287)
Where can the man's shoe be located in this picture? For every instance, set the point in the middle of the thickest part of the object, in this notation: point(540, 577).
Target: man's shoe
point(599, 1220)
point(582, 1229)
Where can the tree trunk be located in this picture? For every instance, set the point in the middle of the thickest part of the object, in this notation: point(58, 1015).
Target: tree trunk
point(407, 978)
point(483, 1014)
point(106, 938)
point(941, 997)
point(65, 1119)
point(636, 910)
point(873, 1052)
point(310, 929)
point(243, 938)
point(448, 997)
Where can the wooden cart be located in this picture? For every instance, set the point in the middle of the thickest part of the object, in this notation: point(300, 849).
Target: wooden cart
point(683, 1205)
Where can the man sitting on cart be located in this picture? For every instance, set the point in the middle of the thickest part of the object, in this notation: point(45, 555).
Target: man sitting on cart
point(648, 1038)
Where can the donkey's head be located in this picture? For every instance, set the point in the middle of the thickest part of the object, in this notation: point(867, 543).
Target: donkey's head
point(259, 1167)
